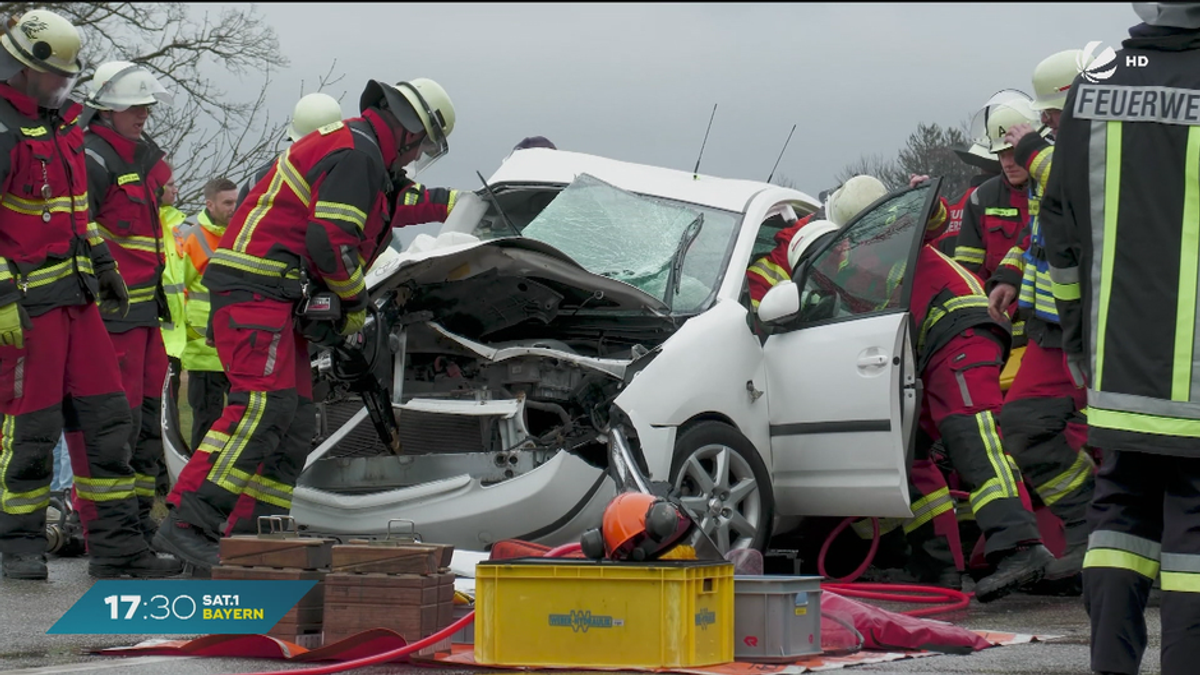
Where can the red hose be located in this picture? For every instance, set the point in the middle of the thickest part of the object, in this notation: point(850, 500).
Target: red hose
point(954, 600)
point(384, 657)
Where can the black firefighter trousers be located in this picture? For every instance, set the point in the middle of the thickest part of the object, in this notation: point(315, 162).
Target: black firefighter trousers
point(1146, 520)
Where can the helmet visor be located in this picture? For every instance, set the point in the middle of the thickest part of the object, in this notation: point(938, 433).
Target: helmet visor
point(132, 86)
point(434, 145)
point(50, 89)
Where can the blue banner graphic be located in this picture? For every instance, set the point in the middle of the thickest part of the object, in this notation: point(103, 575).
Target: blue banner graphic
point(191, 607)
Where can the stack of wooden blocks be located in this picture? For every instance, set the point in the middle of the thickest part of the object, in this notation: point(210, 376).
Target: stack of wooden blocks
point(283, 557)
point(400, 585)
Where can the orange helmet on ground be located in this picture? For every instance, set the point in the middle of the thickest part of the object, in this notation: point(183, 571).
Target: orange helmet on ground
point(637, 526)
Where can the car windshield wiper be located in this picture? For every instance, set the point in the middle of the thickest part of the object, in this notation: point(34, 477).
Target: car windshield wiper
point(675, 279)
point(497, 203)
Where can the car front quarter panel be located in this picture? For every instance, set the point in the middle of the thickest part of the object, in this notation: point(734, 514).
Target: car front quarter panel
point(702, 369)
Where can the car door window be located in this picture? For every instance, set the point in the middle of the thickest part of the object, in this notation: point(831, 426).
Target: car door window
point(861, 271)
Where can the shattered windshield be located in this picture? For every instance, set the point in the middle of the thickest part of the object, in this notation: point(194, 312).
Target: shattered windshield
point(673, 251)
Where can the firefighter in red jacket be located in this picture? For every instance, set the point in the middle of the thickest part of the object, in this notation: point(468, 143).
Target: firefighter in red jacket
point(315, 223)
point(126, 173)
point(960, 349)
point(53, 369)
point(998, 209)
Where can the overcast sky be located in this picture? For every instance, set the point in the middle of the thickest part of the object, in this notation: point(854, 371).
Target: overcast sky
point(637, 82)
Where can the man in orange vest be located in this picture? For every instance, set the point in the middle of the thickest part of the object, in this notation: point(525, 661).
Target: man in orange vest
point(207, 383)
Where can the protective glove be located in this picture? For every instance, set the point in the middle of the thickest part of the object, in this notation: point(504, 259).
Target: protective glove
point(353, 322)
point(14, 321)
point(323, 333)
point(114, 296)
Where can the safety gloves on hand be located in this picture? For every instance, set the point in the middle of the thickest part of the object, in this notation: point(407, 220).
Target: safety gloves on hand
point(14, 321)
point(353, 322)
point(114, 296)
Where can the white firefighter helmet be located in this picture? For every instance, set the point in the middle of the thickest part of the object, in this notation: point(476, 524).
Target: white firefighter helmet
point(421, 105)
point(120, 85)
point(312, 112)
point(1003, 111)
point(852, 197)
point(1052, 78)
point(47, 44)
point(44, 41)
point(803, 240)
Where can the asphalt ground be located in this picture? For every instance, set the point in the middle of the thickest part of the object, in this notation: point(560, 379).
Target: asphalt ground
point(29, 608)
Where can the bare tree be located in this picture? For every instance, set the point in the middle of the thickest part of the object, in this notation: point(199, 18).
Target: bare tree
point(205, 132)
point(929, 150)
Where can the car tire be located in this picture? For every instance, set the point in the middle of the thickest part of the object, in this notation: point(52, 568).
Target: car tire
point(718, 474)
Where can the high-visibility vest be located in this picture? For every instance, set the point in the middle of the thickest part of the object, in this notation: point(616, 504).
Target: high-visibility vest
point(175, 222)
point(198, 247)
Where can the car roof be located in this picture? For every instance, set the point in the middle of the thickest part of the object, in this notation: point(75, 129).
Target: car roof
point(543, 165)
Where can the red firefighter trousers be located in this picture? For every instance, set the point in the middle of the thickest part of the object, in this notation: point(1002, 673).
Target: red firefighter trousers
point(143, 362)
point(66, 375)
point(962, 397)
point(1046, 430)
point(248, 463)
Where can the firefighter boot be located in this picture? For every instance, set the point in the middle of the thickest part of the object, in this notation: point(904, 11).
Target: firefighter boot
point(24, 566)
point(187, 543)
point(1070, 563)
point(1022, 566)
point(144, 565)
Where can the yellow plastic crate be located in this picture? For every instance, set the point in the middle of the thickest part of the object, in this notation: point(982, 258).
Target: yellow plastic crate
point(542, 612)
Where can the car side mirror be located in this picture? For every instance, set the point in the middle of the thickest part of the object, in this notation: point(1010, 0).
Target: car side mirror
point(780, 303)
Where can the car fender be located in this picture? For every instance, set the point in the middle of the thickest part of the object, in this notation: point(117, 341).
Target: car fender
point(712, 364)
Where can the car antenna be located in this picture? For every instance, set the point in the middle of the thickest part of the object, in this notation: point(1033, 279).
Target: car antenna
point(696, 171)
point(781, 151)
point(497, 203)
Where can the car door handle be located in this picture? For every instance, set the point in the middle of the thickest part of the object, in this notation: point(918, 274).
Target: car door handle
point(872, 360)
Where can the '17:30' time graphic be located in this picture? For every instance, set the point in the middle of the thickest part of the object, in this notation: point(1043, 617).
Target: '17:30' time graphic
point(181, 606)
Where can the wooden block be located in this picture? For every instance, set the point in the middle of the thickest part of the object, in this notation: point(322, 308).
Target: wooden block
point(407, 559)
point(445, 552)
point(298, 552)
point(387, 589)
point(304, 615)
point(415, 620)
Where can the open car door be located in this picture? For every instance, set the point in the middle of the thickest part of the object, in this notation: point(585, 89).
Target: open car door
point(842, 389)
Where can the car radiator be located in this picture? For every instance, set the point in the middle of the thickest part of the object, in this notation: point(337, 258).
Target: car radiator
point(420, 432)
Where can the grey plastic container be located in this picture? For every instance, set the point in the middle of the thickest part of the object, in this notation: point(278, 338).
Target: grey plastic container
point(466, 636)
point(776, 619)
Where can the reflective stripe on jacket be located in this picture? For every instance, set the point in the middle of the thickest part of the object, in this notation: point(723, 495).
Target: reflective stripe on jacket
point(48, 254)
point(416, 204)
point(124, 182)
point(1121, 216)
point(322, 210)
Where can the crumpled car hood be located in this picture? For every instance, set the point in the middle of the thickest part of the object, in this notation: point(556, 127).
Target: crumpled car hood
point(476, 287)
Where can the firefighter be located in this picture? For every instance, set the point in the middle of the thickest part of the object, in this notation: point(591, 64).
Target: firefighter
point(54, 268)
point(312, 112)
point(125, 173)
point(977, 156)
point(960, 350)
point(847, 200)
point(1121, 235)
point(317, 221)
point(1044, 416)
point(207, 383)
point(996, 213)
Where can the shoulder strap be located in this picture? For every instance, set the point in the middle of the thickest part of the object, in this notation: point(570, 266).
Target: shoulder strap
point(106, 155)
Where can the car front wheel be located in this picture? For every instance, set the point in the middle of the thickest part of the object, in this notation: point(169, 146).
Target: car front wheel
point(720, 477)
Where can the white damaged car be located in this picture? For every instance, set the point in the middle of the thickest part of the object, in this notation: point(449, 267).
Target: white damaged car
point(578, 301)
